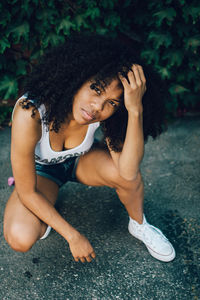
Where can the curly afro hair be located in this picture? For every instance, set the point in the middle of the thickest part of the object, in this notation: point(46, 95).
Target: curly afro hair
point(64, 69)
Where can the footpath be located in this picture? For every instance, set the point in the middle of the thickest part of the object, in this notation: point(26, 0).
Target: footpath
point(123, 268)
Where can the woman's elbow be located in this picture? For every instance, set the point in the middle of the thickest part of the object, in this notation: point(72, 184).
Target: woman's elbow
point(132, 176)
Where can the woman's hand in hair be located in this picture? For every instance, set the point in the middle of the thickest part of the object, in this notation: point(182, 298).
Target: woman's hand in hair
point(134, 89)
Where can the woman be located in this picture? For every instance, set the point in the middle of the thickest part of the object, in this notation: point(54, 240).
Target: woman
point(88, 82)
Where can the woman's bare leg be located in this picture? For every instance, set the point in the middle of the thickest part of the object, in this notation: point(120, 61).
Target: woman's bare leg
point(21, 227)
point(96, 168)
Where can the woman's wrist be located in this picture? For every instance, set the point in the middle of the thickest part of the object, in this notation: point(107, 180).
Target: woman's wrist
point(135, 113)
point(135, 110)
point(72, 234)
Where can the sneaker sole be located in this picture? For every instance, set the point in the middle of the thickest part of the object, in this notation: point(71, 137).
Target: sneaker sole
point(164, 258)
point(47, 232)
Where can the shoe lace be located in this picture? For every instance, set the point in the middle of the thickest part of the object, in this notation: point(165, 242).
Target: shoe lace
point(152, 234)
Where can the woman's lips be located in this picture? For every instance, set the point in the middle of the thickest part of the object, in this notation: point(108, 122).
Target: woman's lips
point(87, 115)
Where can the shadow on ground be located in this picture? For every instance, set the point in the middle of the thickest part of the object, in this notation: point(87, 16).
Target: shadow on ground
point(123, 268)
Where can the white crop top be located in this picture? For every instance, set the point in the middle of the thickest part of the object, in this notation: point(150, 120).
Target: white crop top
point(43, 152)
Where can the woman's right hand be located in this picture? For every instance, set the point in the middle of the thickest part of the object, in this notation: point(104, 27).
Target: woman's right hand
point(81, 248)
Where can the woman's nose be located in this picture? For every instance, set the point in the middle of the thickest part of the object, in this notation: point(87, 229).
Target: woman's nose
point(98, 105)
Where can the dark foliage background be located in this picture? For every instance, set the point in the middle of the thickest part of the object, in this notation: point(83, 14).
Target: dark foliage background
point(166, 33)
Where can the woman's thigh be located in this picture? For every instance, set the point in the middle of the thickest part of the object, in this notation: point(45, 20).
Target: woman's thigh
point(20, 220)
point(96, 168)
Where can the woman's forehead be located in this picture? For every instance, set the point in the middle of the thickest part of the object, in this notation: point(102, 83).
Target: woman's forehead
point(112, 83)
point(115, 86)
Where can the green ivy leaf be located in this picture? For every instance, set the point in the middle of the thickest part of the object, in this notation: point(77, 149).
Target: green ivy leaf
point(194, 63)
point(25, 5)
point(150, 56)
point(174, 58)
point(113, 20)
point(8, 87)
point(177, 89)
point(102, 30)
point(52, 39)
point(47, 15)
point(4, 43)
point(93, 13)
point(195, 13)
point(108, 4)
point(36, 54)
point(182, 2)
point(192, 42)
point(66, 25)
point(79, 21)
point(5, 17)
point(191, 11)
point(160, 39)
point(168, 14)
point(19, 31)
point(164, 72)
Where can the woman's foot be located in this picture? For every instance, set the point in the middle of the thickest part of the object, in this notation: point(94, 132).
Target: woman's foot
point(155, 241)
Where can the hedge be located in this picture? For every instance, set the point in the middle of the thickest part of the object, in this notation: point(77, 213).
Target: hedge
point(167, 32)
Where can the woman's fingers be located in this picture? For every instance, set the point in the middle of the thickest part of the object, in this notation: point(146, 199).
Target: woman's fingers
point(124, 81)
point(136, 72)
point(82, 259)
point(87, 258)
point(76, 259)
point(81, 248)
point(93, 255)
point(132, 78)
point(134, 88)
point(138, 77)
point(142, 74)
point(135, 77)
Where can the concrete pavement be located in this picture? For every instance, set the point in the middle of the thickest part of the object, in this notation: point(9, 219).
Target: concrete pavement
point(123, 268)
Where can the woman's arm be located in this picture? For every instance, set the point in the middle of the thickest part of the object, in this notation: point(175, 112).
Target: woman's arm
point(26, 132)
point(128, 161)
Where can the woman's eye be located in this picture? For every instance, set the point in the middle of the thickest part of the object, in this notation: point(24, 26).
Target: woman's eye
point(94, 87)
point(97, 90)
point(113, 103)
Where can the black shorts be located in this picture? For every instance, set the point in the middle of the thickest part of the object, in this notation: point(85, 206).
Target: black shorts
point(59, 173)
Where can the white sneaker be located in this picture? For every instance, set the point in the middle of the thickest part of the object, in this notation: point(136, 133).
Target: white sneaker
point(47, 232)
point(155, 241)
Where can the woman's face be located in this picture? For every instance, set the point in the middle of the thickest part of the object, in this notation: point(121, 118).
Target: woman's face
point(94, 104)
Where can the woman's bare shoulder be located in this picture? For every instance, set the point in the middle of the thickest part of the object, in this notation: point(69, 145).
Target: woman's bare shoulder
point(26, 121)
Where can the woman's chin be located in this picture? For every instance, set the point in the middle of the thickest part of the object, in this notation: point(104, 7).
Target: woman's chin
point(81, 121)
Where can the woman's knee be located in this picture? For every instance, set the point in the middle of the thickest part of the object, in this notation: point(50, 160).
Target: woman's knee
point(121, 183)
point(19, 238)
